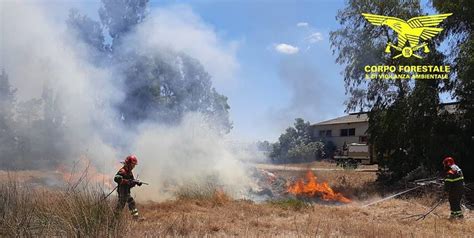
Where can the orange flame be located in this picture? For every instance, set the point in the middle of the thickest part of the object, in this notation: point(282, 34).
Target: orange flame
point(314, 189)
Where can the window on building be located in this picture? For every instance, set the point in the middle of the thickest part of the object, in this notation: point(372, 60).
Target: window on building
point(343, 132)
point(363, 139)
point(329, 133)
point(348, 132)
point(325, 133)
point(352, 131)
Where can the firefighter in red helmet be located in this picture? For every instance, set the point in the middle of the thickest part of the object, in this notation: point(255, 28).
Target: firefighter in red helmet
point(454, 186)
point(125, 180)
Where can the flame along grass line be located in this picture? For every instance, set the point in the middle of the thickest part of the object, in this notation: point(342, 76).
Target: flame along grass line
point(391, 196)
point(311, 189)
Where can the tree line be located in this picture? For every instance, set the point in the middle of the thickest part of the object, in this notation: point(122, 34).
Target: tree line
point(407, 124)
point(296, 145)
point(156, 89)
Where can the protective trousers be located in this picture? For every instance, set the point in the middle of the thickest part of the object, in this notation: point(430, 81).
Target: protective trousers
point(124, 198)
point(454, 196)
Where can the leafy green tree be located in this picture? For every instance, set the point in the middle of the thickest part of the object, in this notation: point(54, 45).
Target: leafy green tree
point(120, 16)
point(458, 30)
point(403, 114)
point(7, 132)
point(306, 152)
point(264, 146)
point(7, 101)
point(88, 30)
point(29, 111)
point(37, 119)
point(161, 90)
point(158, 86)
point(358, 43)
point(296, 145)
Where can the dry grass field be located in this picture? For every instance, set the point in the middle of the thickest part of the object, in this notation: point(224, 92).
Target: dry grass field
point(287, 219)
point(75, 211)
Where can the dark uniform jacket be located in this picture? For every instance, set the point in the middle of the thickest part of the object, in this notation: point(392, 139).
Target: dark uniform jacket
point(454, 178)
point(124, 178)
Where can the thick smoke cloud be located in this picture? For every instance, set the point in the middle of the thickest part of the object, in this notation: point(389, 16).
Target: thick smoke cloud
point(179, 29)
point(38, 54)
point(189, 153)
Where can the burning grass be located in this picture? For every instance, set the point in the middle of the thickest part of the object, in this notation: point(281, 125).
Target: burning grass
point(354, 185)
point(312, 189)
point(209, 211)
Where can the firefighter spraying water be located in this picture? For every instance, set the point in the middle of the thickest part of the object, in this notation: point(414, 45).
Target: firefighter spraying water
point(454, 186)
point(126, 181)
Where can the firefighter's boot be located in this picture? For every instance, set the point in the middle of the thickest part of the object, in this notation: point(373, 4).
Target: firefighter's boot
point(134, 213)
point(456, 215)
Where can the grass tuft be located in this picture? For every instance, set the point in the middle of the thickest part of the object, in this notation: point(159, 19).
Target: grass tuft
point(28, 211)
point(290, 204)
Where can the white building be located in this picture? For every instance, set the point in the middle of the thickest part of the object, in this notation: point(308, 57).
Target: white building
point(346, 129)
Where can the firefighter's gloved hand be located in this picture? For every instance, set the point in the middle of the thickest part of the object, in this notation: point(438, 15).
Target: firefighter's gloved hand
point(135, 182)
point(138, 182)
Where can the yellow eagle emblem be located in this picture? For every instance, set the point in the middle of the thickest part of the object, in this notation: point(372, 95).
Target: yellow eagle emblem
point(423, 27)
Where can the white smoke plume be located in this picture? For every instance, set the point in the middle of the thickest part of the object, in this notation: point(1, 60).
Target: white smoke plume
point(179, 29)
point(35, 51)
point(189, 153)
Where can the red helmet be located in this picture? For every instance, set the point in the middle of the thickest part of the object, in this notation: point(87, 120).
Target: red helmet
point(448, 161)
point(131, 159)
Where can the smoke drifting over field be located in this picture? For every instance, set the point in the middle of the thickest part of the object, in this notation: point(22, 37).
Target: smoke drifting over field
point(44, 60)
point(178, 28)
point(36, 53)
point(189, 154)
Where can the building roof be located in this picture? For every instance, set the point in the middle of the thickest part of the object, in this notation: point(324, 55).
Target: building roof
point(351, 118)
point(451, 107)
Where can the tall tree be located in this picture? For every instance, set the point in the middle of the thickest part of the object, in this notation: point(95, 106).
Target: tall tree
point(120, 16)
point(295, 145)
point(459, 32)
point(159, 86)
point(88, 30)
point(7, 99)
point(161, 89)
point(29, 111)
point(7, 105)
point(402, 112)
point(358, 43)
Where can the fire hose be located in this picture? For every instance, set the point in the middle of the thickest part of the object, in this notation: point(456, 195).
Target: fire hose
point(110, 193)
point(103, 198)
point(423, 215)
point(392, 196)
point(420, 183)
point(106, 196)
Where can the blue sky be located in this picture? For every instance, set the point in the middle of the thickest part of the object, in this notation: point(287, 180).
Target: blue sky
point(262, 103)
point(270, 88)
point(286, 66)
